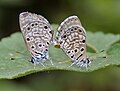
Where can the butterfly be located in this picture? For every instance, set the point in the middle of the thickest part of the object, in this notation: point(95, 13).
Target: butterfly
point(38, 35)
point(71, 38)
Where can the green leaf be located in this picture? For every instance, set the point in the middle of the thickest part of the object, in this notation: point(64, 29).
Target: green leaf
point(100, 41)
point(112, 58)
point(14, 57)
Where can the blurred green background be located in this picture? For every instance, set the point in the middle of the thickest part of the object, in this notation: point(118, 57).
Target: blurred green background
point(95, 15)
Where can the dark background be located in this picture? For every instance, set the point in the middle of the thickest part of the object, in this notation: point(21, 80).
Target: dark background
point(95, 15)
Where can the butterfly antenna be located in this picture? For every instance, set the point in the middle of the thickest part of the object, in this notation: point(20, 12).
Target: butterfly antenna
point(97, 53)
point(72, 64)
point(22, 53)
point(17, 52)
point(34, 65)
point(51, 60)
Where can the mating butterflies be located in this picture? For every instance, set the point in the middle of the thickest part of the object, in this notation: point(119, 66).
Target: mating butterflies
point(71, 37)
point(38, 35)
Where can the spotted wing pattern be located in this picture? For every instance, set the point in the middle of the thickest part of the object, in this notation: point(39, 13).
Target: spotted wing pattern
point(71, 37)
point(38, 35)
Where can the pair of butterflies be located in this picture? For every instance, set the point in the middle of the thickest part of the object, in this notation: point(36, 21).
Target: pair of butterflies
point(38, 35)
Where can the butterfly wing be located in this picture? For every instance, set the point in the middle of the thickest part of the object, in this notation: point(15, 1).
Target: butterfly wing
point(71, 37)
point(38, 35)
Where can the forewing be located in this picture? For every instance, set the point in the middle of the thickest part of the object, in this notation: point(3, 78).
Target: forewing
point(71, 37)
point(37, 33)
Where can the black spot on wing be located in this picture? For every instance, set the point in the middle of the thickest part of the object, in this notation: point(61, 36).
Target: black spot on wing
point(79, 56)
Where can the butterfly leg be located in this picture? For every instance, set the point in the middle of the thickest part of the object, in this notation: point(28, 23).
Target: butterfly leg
point(51, 61)
point(73, 63)
point(36, 61)
point(42, 64)
point(49, 58)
